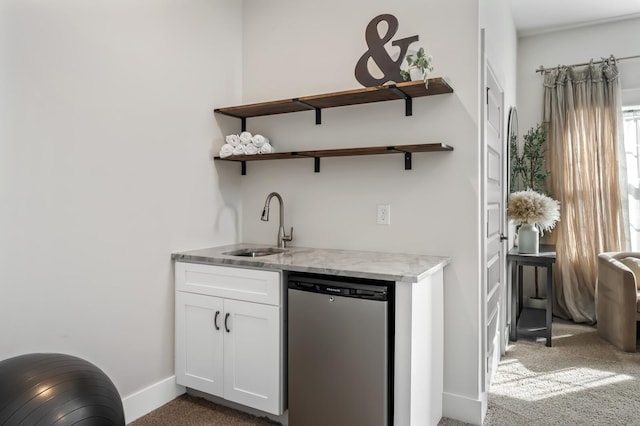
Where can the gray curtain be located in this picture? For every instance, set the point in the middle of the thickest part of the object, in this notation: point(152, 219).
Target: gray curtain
point(582, 109)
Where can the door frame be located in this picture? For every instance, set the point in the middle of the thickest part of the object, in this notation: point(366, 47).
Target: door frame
point(485, 377)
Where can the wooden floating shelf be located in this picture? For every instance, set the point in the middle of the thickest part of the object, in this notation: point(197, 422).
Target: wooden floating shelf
point(406, 90)
point(407, 150)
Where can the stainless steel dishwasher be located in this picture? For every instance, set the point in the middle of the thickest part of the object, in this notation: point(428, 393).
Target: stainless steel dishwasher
point(340, 350)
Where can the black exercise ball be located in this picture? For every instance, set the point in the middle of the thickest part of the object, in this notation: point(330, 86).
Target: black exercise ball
point(56, 389)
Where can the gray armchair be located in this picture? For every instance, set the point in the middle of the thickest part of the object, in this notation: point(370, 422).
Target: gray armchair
point(618, 299)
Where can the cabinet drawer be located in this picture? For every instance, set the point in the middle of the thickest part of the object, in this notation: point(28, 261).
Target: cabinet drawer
point(232, 283)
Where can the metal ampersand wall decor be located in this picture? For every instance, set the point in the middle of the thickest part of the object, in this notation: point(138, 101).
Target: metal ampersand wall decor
point(390, 68)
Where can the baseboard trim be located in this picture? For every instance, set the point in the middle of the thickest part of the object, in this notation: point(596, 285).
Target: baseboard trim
point(464, 409)
point(283, 419)
point(148, 399)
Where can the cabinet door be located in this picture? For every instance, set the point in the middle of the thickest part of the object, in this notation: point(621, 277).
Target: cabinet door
point(199, 345)
point(252, 356)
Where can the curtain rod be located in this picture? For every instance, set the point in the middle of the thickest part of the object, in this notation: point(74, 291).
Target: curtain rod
point(543, 69)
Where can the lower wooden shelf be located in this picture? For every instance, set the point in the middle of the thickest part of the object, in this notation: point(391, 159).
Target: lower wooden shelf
point(407, 150)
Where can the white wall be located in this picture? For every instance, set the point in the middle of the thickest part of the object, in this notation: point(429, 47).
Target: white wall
point(501, 46)
point(105, 169)
point(105, 150)
point(569, 47)
point(293, 49)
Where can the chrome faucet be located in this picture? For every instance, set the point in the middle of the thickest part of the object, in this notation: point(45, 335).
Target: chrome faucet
point(282, 237)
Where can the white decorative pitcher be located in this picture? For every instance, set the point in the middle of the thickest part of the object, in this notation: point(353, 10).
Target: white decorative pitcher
point(528, 239)
point(416, 74)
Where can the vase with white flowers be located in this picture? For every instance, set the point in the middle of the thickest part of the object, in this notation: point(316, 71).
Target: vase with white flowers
point(534, 213)
point(419, 66)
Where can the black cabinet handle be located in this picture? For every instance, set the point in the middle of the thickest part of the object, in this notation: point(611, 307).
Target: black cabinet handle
point(215, 320)
point(226, 318)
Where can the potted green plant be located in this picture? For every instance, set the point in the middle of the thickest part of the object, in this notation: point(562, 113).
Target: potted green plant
point(528, 169)
point(419, 66)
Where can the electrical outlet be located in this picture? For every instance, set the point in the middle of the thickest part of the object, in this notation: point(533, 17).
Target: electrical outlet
point(384, 214)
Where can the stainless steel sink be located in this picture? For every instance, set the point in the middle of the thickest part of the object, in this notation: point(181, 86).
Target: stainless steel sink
point(255, 251)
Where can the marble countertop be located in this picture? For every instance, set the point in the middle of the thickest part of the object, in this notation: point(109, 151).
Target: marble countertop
point(362, 264)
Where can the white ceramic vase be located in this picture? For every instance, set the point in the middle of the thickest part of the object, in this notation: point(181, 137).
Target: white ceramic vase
point(528, 239)
point(415, 74)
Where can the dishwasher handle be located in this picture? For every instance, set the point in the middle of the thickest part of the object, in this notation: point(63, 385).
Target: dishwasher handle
point(373, 291)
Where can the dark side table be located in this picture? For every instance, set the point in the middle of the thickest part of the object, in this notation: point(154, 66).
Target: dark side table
point(528, 321)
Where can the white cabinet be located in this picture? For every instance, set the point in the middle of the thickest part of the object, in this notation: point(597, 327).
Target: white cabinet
point(229, 334)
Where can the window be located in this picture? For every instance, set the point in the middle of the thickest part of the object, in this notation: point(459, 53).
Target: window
point(631, 121)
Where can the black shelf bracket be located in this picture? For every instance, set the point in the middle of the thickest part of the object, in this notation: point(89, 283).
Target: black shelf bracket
point(407, 161)
point(243, 165)
point(407, 156)
point(408, 100)
point(408, 106)
point(243, 124)
point(318, 110)
point(316, 160)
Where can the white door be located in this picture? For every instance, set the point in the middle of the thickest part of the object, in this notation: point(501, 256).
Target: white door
point(252, 355)
point(494, 274)
point(199, 342)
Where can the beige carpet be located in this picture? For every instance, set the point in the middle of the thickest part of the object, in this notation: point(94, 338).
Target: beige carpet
point(580, 380)
point(188, 410)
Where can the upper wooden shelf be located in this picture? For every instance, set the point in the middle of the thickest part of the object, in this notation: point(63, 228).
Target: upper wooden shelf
point(405, 90)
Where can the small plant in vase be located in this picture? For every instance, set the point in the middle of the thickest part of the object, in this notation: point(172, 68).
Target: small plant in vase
point(533, 208)
point(419, 66)
point(534, 213)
